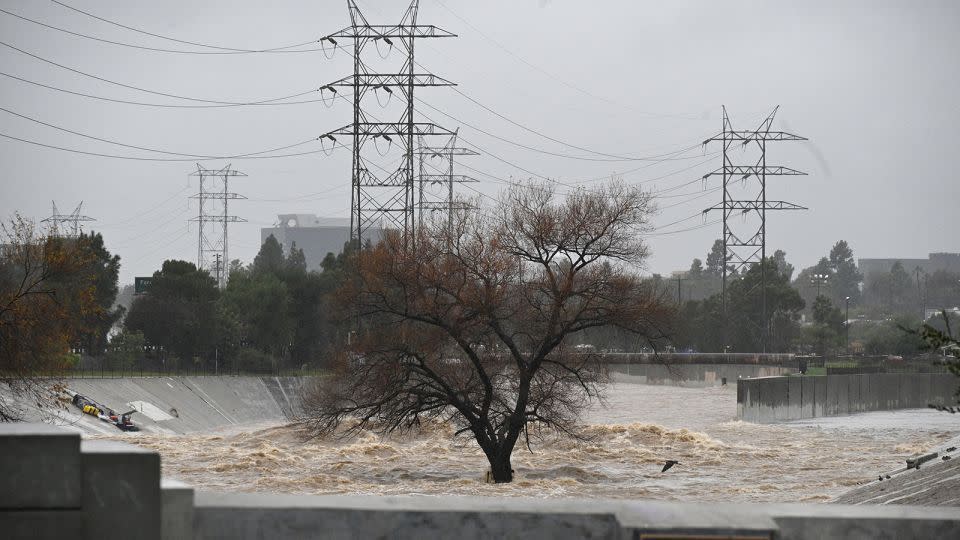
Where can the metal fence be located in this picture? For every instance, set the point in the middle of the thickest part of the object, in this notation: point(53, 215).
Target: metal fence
point(90, 367)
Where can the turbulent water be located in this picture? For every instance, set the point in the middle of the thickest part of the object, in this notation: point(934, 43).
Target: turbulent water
point(640, 426)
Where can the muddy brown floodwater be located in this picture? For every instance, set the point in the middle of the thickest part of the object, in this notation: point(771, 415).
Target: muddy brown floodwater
point(721, 459)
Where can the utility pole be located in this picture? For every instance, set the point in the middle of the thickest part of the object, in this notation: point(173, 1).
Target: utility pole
point(213, 209)
point(846, 323)
point(428, 202)
point(923, 306)
point(746, 245)
point(390, 200)
point(66, 225)
point(679, 300)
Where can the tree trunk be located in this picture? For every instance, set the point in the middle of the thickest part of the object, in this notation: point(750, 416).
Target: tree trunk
point(500, 467)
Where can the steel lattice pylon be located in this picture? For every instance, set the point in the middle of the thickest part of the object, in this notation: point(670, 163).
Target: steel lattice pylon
point(66, 225)
point(746, 245)
point(428, 200)
point(390, 199)
point(212, 244)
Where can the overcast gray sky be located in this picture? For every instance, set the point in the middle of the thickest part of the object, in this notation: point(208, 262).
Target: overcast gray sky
point(873, 85)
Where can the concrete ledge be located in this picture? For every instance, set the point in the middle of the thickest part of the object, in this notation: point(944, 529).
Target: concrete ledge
point(254, 516)
point(176, 513)
point(121, 491)
point(41, 524)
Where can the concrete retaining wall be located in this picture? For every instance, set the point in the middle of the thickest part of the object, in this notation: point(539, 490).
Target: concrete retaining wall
point(693, 374)
point(776, 399)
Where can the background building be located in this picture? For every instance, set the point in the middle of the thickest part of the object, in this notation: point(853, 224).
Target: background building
point(948, 262)
point(315, 235)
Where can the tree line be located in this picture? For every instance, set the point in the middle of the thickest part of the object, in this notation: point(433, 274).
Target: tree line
point(273, 314)
point(829, 308)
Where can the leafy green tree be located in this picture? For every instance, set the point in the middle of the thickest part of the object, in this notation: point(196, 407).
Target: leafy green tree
point(261, 304)
point(939, 338)
point(126, 348)
point(702, 322)
point(696, 269)
point(715, 259)
point(745, 309)
point(889, 338)
point(846, 276)
point(45, 294)
point(179, 313)
point(827, 331)
point(270, 258)
point(942, 289)
point(104, 271)
point(783, 267)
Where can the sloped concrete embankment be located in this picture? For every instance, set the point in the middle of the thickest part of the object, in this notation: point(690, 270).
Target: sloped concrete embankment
point(931, 480)
point(186, 404)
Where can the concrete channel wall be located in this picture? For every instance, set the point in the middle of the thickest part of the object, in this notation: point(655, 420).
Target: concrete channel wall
point(55, 486)
point(777, 399)
point(185, 404)
point(693, 374)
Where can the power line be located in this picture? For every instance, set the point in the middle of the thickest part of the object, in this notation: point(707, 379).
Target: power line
point(141, 214)
point(558, 154)
point(229, 50)
point(688, 229)
point(614, 157)
point(143, 47)
point(555, 77)
point(138, 158)
point(307, 197)
point(195, 156)
point(131, 87)
point(610, 157)
point(271, 102)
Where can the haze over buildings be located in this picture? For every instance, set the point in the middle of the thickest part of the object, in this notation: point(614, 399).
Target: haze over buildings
point(949, 262)
point(625, 78)
point(315, 235)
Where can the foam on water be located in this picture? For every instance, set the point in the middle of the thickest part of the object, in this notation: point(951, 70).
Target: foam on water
point(620, 456)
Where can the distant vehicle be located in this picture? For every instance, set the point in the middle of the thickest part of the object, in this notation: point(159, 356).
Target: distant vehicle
point(585, 348)
point(86, 405)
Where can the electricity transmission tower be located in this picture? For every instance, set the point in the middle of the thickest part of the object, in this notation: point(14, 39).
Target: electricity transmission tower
point(745, 244)
point(213, 209)
point(428, 201)
point(387, 200)
point(66, 225)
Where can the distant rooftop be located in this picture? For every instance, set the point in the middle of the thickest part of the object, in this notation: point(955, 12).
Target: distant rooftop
point(310, 220)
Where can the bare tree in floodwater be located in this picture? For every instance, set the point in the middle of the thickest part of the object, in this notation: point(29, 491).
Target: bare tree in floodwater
point(476, 322)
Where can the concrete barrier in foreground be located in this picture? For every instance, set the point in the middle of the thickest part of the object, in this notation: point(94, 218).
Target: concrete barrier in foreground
point(113, 491)
point(777, 399)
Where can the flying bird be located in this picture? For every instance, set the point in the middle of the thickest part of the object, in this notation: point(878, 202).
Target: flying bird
point(668, 464)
